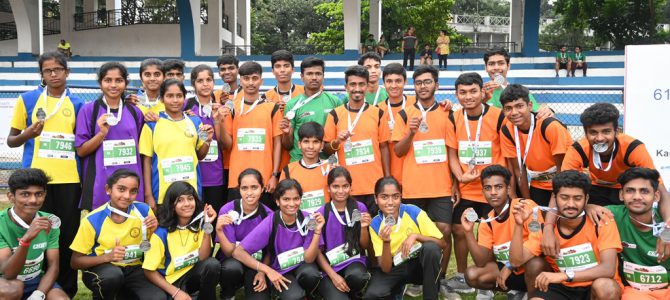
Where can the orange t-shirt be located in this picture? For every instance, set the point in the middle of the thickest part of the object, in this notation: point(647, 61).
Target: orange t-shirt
point(628, 153)
point(425, 169)
point(253, 133)
point(364, 162)
point(217, 97)
point(497, 234)
point(581, 248)
point(540, 164)
point(396, 162)
point(274, 96)
point(489, 146)
point(314, 181)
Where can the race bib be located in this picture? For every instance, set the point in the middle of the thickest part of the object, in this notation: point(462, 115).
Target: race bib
point(186, 260)
point(291, 258)
point(483, 152)
point(257, 256)
point(56, 145)
point(645, 278)
point(413, 252)
point(501, 252)
point(251, 139)
point(31, 269)
point(313, 200)
point(133, 254)
point(339, 255)
point(430, 151)
point(213, 153)
point(361, 153)
point(119, 152)
point(179, 168)
point(543, 176)
point(576, 258)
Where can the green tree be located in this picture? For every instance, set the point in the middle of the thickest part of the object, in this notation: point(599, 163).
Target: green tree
point(482, 7)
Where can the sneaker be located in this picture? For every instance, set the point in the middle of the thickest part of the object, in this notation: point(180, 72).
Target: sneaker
point(457, 283)
point(414, 290)
point(484, 295)
point(447, 293)
point(516, 295)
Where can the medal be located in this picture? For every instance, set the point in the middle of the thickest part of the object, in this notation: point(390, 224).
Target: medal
point(534, 226)
point(665, 235)
point(499, 79)
point(290, 115)
point(348, 146)
point(389, 221)
point(391, 124)
point(202, 134)
point(311, 224)
point(55, 222)
point(41, 114)
point(286, 98)
point(472, 162)
point(471, 215)
point(145, 246)
point(112, 120)
point(207, 110)
point(234, 215)
point(600, 147)
point(226, 88)
point(230, 105)
point(423, 127)
point(332, 159)
point(355, 215)
point(208, 228)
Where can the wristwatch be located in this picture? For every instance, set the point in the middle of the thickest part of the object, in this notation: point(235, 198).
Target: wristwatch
point(276, 174)
point(571, 275)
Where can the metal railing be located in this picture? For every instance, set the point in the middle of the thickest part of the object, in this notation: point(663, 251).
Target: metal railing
point(51, 25)
point(481, 20)
point(118, 17)
point(481, 47)
point(230, 49)
point(8, 31)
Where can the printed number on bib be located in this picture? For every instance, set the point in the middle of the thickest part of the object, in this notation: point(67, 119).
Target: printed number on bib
point(413, 252)
point(213, 153)
point(483, 153)
point(133, 254)
point(56, 145)
point(501, 252)
point(339, 255)
point(291, 258)
point(312, 200)
point(251, 139)
point(645, 278)
point(361, 153)
point(31, 269)
point(577, 258)
point(186, 260)
point(178, 169)
point(430, 151)
point(119, 152)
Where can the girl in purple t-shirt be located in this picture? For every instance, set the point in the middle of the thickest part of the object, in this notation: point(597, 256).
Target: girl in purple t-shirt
point(236, 219)
point(343, 241)
point(287, 237)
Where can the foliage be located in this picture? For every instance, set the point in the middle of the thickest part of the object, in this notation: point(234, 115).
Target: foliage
point(482, 7)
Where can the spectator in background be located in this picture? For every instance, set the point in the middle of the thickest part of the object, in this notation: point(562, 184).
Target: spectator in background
point(382, 46)
point(65, 48)
point(563, 60)
point(427, 55)
point(370, 45)
point(578, 61)
point(442, 48)
point(409, 44)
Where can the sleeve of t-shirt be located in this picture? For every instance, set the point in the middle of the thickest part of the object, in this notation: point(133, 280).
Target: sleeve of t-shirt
point(400, 128)
point(276, 120)
point(452, 140)
point(54, 235)
point(484, 236)
point(534, 242)
point(83, 127)
point(427, 227)
point(377, 243)
point(559, 138)
point(384, 132)
point(228, 122)
point(257, 239)
point(330, 130)
point(155, 257)
point(85, 239)
point(146, 142)
point(532, 100)
point(506, 145)
point(608, 237)
point(19, 116)
point(572, 160)
point(640, 158)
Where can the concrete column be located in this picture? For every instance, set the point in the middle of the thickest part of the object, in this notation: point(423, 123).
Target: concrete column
point(246, 26)
point(516, 24)
point(352, 26)
point(26, 17)
point(190, 38)
point(233, 25)
point(90, 5)
point(214, 17)
point(116, 16)
point(67, 10)
point(376, 18)
point(531, 28)
point(228, 11)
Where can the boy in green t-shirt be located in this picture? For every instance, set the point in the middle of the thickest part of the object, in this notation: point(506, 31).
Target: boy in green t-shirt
point(369, 45)
point(26, 235)
point(578, 61)
point(563, 60)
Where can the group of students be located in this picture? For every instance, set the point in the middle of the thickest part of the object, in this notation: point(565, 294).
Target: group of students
point(302, 190)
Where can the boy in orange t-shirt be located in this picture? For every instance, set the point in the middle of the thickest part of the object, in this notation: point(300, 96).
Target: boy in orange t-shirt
point(586, 266)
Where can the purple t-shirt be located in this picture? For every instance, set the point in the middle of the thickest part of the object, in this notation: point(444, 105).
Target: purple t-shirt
point(236, 233)
point(122, 141)
point(285, 239)
point(211, 167)
point(334, 234)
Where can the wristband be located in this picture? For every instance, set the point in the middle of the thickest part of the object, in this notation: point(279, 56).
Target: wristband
point(175, 293)
point(23, 243)
point(332, 147)
point(258, 265)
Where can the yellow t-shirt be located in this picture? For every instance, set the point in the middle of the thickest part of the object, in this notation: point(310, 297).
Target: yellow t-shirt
point(173, 253)
point(412, 220)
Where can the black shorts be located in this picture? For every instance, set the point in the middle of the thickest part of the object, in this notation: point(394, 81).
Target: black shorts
point(559, 291)
point(540, 196)
point(562, 66)
point(604, 196)
point(515, 282)
point(482, 209)
point(438, 209)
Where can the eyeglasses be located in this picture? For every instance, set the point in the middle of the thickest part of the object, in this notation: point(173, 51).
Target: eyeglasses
point(387, 196)
point(55, 71)
point(426, 82)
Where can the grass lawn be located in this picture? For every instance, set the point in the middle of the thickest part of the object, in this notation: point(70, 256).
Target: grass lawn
point(84, 293)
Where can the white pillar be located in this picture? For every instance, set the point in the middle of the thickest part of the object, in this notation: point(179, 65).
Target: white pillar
point(114, 17)
point(27, 20)
point(195, 13)
point(352, 25)
point(214, 17)
point(376, 18)
point(247, 26)
point(233, 23)
point(516, 24)
point(67, 9)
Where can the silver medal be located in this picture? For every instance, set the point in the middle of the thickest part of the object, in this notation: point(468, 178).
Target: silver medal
point(290, 115)
point(471, 215)
point(423, 127)
point(665, 235)
point(355, 215)
point(230, 105)
point(207, 110)
point(55, 221)
point(202, 134)
point(41, 114)
point(391, 123)
point(332, 159)
point(472, 162)
point(234, 215)
point(112, 120)
point(286, 98)
point(389, 221)
point(499, 79)
point(145, 246)
point(534, 226)
point(208, 228)
point(226, 88)
point(348, 146)
point(600, 147)
point(311, 224)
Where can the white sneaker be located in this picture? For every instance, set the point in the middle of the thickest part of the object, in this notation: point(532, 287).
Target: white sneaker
point(457, 283)
point(448, 294)
point(413, 290)
point(516, 295)
point(484, 295)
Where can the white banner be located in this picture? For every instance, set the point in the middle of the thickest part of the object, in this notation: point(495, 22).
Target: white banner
point(647, 102)
point(6, 110)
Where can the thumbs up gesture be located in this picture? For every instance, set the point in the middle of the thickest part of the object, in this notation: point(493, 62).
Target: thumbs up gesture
point(118, 253)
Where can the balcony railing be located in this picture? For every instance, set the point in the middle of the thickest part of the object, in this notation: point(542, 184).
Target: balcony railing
point(481, 20)
point(8, 31)
point(118, 17)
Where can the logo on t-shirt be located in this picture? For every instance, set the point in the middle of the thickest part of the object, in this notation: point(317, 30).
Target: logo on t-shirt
point(67, 112)
point(652, 253)
point(134, 232)
point(40, 246)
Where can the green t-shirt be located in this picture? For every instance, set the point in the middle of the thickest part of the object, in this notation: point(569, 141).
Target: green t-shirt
point(315, 110)
point(562, 57)
point(370, 45)
point(639, 248)
point(578, 57)
point(495, 100)
point(371, 97)
point(36, 258)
